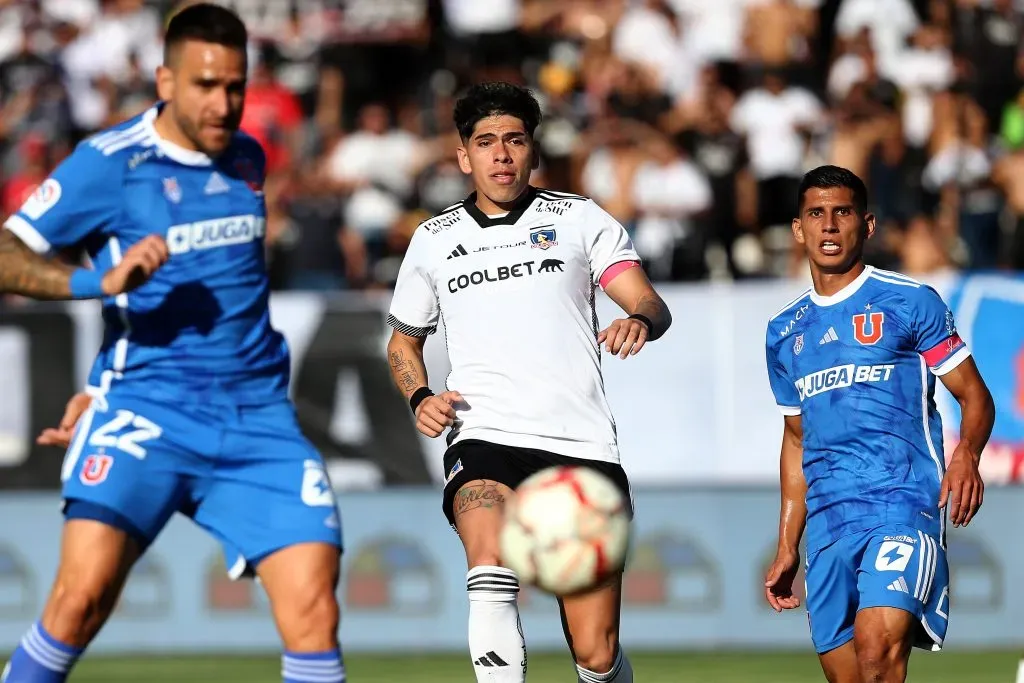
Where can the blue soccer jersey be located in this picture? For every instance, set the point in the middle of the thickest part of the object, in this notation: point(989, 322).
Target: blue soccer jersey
point(190, 411)
point(859, 367)
point(202, 324)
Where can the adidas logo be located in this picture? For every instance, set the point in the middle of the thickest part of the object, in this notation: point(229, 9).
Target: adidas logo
point(899, 585)
point(490, 659)
point(830, 336)
point(216, 184)
point(457, 251)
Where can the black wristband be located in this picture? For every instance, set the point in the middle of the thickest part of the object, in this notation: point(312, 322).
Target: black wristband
point(646, 321)
point(418, 397)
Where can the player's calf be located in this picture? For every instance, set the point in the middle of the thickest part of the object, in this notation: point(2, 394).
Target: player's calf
point(496, 642)
point(95, 559)
point(883, 638)
point(591, 625)
point(301, 583)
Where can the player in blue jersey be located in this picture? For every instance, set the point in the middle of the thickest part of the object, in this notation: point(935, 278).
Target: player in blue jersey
point(189, 410)
point(852, 363)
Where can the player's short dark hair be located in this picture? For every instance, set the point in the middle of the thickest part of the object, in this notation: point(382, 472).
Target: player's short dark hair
point(495, 99)
point(827, 177)
point(206, 23)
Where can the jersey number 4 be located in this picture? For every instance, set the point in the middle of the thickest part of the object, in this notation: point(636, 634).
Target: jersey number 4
point(108, 436)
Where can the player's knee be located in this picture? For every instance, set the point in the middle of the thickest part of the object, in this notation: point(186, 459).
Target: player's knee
point(880, 660)
point(595, 648)
point(78, 607)
point(310, 621)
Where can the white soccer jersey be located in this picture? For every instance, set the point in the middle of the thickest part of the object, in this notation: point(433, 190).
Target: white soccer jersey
point(516, 295)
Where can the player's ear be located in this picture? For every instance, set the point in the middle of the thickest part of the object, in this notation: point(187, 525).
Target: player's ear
point(869, 225)
point(798, 231)
point(534, 156)
point(463, 156)
point(164, 83)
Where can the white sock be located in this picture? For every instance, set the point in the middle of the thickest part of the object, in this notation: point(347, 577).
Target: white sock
point(621, 671)
point(496, 643)
point(1020, 672)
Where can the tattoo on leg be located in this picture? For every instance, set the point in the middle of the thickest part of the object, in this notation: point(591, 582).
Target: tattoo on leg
point(473, 496)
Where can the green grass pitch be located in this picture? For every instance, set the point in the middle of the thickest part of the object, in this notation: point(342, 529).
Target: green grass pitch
point(667, 667)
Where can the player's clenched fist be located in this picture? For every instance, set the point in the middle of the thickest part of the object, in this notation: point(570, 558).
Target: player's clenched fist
point(624, 337)
point(779, 582)
point(437, 413)
point(136, 267)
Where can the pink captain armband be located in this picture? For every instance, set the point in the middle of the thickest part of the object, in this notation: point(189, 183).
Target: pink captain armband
point(613, 271)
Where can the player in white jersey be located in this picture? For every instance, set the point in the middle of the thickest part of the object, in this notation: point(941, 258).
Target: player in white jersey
point(513, 270)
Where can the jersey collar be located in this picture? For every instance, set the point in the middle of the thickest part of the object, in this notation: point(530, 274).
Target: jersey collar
point(188, 157)
point(510, 218)
point(844, 293)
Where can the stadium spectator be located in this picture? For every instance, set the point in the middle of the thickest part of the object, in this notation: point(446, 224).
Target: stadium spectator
point(353, 105)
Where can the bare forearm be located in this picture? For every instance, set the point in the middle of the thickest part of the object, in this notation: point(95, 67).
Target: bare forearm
point(24, 272)
point(653, 307)
point(978, 414)
point(407, 368)
point(793, 513)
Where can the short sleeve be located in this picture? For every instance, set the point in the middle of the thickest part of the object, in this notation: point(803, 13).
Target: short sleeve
point(607, 242)
point(934, 332)
point(414, 307)
point(786, 397)
point(81, 197)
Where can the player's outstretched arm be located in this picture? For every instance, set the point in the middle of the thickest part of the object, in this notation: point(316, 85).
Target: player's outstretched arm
point(24, 272)
point(962, 487)
point(433, 413)
point(649, 317)
point(792, 517)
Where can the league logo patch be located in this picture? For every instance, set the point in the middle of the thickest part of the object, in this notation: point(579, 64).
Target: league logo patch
point(543, 239)
point(867, 327)
point(456, 468)
point(798, 344)
point(42, 200)
point(172, 190)
point(95, 469)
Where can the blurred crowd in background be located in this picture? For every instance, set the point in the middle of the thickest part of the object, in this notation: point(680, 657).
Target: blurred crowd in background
point(690, 121)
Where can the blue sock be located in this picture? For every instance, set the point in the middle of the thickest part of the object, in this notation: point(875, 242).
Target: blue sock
point(40, 658)
point(313, 667)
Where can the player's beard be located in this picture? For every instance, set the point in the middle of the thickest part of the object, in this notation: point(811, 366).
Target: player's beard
point(193, 131)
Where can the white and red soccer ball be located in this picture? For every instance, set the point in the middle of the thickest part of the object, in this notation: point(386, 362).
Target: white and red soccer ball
point(566, 531)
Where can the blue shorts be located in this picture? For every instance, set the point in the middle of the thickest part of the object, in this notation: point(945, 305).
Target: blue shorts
point(891, 566)
point(246, 474)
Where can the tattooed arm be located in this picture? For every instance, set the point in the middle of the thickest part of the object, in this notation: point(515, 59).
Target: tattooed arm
point(405, 355)
point(434, 414)
point(24, 272)
point(635, 295)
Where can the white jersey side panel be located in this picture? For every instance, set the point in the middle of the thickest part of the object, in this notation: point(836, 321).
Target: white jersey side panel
point(517, 302)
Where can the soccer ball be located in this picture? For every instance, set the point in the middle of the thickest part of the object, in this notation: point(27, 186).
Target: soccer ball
point(566, 531)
